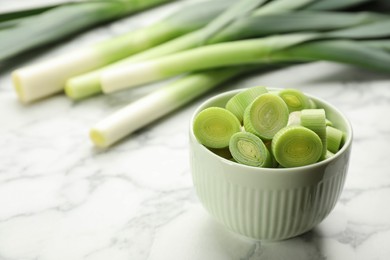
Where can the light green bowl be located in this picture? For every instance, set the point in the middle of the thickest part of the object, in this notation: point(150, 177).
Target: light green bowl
point(264, 203)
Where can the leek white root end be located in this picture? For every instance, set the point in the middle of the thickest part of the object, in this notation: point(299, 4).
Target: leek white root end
point(97, 137)
point(130, 118)
point(28, 81)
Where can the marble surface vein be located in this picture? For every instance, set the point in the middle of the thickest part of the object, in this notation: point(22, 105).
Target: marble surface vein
point(63, 199)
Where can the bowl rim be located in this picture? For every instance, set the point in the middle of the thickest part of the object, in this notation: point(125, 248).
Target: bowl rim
point(346, 146)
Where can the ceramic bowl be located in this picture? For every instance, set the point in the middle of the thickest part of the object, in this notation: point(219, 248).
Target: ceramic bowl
point(269, 203)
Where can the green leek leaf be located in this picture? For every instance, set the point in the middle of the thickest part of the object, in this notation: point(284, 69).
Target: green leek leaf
point(237, 10)
point(60, 22)
point(336, 4)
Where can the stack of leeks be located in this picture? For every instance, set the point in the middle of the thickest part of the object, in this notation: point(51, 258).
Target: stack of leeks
point(246, 35)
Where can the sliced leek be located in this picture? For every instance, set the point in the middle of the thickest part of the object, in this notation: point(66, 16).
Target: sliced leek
point(249, 149)
point(328, 154)
point(328, 122)
point(294, 99)
point(214, 126)
point(315, 120)
point(239, 102)
point(334, 138)
point(297, 141)
point(265, 116)
point(294, 118)
point(274, 163)
point(295, 146)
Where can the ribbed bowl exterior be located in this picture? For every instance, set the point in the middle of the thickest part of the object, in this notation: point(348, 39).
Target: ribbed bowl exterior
point(268, 204)
point(266, 213)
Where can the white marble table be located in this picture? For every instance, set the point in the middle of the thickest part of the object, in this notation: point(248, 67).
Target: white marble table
point(60, 198)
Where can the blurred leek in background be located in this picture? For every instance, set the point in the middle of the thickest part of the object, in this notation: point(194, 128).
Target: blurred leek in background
point(11, 18)
point(33, 28)
point(213, 41)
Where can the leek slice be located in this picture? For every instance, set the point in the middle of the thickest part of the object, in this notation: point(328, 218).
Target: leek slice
point(295, 99)
point(214, 126)
point(295, 146)
point(249, 149)
point(329, 123)
point(315, 120)
point(294, 118)
point(274, 163)
point(239, 102)
point(265, 116)
point(334, 138)
point(328, 154)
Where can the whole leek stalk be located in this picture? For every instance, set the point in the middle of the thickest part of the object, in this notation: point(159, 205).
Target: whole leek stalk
point(207, 57)
point(227, 54)
point(88, 84)
point(48, 77)
point(157, 104)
